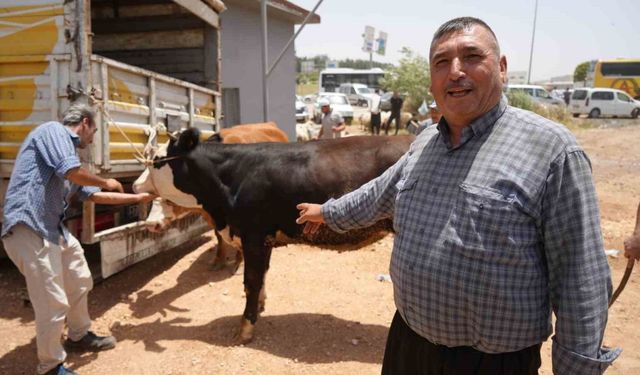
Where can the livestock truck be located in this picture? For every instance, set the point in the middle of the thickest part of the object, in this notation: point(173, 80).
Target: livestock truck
point(142, 65)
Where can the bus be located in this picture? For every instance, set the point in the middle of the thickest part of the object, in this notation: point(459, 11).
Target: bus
point(330, 79)
point(621, 74)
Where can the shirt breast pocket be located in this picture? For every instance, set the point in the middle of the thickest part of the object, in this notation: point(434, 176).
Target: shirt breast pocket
point(486, 225)
point(403, 211)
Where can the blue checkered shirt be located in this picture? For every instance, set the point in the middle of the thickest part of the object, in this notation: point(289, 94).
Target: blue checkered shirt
point(38, 193)
point(491, 236)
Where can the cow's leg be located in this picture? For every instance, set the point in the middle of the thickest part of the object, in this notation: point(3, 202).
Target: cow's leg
point(220, 260)
point(225, 250)
point(263, 291)
point(255, 257)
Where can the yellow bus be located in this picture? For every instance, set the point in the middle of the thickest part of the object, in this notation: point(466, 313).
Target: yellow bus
point(621, 74)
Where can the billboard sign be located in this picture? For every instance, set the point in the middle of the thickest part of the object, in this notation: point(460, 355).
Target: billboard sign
point(382, 43)
point(368, 38)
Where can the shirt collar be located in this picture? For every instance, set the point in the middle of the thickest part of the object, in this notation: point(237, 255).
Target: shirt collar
point(74, 137)
point(480, 125)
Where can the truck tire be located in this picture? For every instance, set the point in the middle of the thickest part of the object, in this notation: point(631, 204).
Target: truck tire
point(635, 113)
point(595, 113)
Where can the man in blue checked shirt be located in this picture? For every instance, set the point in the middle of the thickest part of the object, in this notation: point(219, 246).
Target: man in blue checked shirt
point(497, 226)
point(46, 174)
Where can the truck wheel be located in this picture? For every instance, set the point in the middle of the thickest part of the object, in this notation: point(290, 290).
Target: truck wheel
point(595, 113)
point(635, 113)
point(576, 115)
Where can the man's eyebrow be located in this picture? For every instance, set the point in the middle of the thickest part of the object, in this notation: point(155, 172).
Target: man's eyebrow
point(465, 49)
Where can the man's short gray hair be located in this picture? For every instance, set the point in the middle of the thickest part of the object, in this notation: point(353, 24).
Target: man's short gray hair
point(76, 113)
point(460, 24)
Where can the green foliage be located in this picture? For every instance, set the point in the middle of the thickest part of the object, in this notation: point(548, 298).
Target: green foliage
point(411, 78)
point(580, 73)
point(520, 99)
point(363, 64)
point(557, 113)
point(320, 62)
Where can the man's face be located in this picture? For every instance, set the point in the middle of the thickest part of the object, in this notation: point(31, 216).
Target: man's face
point(466, 74)
point(325, 109)
point(88, 129)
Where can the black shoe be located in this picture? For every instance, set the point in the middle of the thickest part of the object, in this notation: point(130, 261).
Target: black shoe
point(91, 343)
point(60, 370)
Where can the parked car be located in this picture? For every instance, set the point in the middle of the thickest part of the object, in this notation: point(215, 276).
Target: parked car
point(385, 101)
point(597, 102)
point(357, 93)
point(339, 104)
point(538, 94)
point(302, 113)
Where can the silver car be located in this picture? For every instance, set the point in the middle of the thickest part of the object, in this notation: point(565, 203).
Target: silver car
point(302, 113)
point(339, 104)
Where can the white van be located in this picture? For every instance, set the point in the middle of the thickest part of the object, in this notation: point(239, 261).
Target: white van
point(537, 93)
point(597, 102)
point(358, 93)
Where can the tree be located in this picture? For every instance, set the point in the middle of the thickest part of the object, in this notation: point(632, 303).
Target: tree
point(580, 74)
point(411, 77)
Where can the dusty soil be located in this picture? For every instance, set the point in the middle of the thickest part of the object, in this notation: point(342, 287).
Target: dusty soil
point(326, 312)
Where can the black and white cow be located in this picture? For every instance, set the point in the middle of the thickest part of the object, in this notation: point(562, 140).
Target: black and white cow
point(251, 192)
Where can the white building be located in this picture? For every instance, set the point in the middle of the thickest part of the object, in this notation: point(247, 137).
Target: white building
point(242, 62)
point(517, 77)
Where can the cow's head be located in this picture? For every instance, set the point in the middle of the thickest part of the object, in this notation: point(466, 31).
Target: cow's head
point(159, 177)
point(162, 213)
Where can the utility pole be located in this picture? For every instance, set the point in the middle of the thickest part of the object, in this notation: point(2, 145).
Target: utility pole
point(533, 37)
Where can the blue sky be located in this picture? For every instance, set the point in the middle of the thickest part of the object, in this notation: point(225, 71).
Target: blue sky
point(568, 32)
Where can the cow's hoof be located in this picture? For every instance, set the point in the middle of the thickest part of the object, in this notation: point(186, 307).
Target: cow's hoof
point(218, 265)
point(233, 267)
point(245, 334)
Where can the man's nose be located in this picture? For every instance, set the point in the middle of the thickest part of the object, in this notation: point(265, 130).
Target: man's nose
point(456, 70)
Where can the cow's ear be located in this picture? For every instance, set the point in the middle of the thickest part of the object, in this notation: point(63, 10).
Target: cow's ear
point(188, 140)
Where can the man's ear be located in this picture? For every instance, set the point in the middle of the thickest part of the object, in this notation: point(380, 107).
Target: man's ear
point(503, 68)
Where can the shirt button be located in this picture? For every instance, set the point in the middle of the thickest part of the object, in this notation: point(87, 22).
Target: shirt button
point(481, 205)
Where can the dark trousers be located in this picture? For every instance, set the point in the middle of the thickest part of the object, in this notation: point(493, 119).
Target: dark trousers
point(408, 353)
point(394, 116)
point(375, 123)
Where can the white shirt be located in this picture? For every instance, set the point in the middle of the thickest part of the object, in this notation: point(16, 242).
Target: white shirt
point(375, 104)
point(330, 120)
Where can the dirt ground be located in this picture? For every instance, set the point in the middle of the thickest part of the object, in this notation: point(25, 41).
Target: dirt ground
point(326, 312)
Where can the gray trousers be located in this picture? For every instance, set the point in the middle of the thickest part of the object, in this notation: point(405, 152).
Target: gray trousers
point(58, 281)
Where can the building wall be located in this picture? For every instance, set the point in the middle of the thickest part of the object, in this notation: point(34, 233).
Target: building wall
point(242, 66)
point(517, 77)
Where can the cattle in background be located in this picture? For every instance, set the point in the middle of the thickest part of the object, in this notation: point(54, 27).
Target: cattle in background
point(162, 213)
point(251, 192)
point(365, 119)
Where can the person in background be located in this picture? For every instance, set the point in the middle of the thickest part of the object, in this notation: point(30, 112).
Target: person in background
point(396, 109)
point(46, 175)
point(434, 117)
point(566, 96)
point(374, 109)
point(413, 125)
point(332, 123)
point(434, 113)
point(496, 227)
